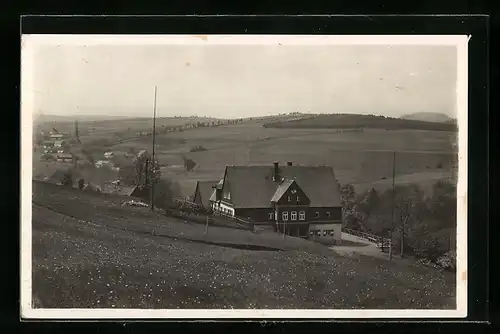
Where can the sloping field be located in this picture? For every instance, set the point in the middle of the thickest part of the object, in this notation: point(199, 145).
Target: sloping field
point(357, 157)
point(89, 251)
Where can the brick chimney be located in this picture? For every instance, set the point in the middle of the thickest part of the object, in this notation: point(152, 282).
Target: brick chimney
point(276, 171)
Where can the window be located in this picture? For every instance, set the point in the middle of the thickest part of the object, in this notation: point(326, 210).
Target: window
point(271, 215)
point(302, 215)
point(312, 232)
point(298, 199)
point(289, 198)
point(324, 232)
point(318, 232)
point(328, 214)
point(331, 233)
point(284, 215)
point(293, 215)
point(317, 214)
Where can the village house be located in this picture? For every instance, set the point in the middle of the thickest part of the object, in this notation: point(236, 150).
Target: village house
point(109, 155)
point(116, 188)
point(56, 136)
point(302, 201)
point(64, 157)
point(48, 143)
point(202, 193)
point(101, 163)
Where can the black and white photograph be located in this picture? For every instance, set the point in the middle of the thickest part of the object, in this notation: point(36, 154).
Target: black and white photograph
point(243, 176)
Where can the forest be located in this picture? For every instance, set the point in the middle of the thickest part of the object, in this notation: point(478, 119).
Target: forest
point(422, 226)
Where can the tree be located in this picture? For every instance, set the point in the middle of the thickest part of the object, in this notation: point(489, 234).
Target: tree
point(442, 205)
point(189, 164)
point(88, 156)
point(142, 172)
point(67, 179)
point(165, 191)
point(351, 216)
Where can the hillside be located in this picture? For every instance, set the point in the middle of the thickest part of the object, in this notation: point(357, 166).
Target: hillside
point(90, 251)
point(428, 117)
point(351, 121)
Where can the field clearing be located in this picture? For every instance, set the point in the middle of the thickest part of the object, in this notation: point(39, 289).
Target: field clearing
point(89, 251)
point(360, 158)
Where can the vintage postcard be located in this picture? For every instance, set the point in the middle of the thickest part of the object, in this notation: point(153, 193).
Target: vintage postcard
point(254, 177)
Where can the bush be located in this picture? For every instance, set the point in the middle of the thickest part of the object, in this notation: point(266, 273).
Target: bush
point(47, 157)
point(448, 261)
point(67, 179)
point(198, 149)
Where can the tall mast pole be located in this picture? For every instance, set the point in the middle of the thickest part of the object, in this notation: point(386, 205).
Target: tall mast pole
point(153, 165)
point(393, 200)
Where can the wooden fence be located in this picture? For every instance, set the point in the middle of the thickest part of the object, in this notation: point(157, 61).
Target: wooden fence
point(186, 206)
point(380, 241)
point(238, 220)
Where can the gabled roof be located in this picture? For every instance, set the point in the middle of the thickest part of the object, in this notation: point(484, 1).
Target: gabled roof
point(205, 189)
point(253, 186)
point(118, 189)
point(281, 190)
point(218, 185)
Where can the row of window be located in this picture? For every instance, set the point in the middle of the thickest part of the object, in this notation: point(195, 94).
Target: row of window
point(290, 198)
point(325, 232)
point(293, 215)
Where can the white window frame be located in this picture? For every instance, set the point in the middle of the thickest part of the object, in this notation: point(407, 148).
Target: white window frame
point(328, 214)
point(317, 214)
point(271, 215)
point(284, 215)
point(302, 215)
point(298, 198)
point(293, 215)
point(289, 198)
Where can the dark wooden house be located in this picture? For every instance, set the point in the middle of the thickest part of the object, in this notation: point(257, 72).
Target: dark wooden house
point(202, 193)
point(300, 200)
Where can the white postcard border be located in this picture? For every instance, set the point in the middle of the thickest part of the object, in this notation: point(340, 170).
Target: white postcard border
point(29, 42)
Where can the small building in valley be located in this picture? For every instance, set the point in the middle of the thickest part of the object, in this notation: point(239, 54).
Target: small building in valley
point(56, 136)
point(64, 157)
point(302, 201)
point(202, 193)
point(119, 189)
point(109, 155)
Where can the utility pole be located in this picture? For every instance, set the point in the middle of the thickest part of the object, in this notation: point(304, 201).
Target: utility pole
point(153, 165)
point(403, 222)
point(393, 200)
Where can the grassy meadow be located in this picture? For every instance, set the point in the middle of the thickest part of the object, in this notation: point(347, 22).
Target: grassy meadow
point(89, 251)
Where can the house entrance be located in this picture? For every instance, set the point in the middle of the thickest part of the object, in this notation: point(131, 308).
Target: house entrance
point(294, 230)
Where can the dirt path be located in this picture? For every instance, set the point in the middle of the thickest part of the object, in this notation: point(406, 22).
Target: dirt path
point(353, 245)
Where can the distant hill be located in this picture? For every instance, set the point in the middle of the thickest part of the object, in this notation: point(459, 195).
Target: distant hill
point(355, 121)
point(44, 118)
point(428, 117)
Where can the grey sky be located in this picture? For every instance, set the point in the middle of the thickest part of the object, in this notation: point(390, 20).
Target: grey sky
point(244, 80)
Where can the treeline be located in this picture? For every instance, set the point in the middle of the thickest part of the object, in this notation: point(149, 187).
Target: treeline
point(421, 226)
point(342, 121)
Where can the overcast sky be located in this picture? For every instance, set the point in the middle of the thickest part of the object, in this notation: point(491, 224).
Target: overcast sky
point(244, 80)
